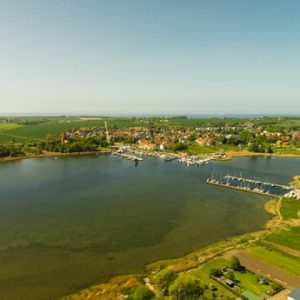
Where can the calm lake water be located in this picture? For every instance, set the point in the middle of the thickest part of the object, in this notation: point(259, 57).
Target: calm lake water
point(69, 223)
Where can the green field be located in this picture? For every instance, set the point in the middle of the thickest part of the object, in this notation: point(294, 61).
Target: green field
point(288, 263)
point(290, 149)
point(290, 209)
point(196, 149)
point(249, 281)
point(56, 127)
point(289, 237)
point(8, 126)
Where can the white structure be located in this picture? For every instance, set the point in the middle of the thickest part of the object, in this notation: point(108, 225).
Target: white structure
point(294, 295)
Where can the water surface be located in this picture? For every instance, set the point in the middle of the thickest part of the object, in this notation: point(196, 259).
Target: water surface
point(68, 223)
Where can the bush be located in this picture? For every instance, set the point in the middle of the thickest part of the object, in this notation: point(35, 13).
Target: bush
point(141, 293)
point(185, 288)
point(276, 287)
point(164, 279)
point(230, 275)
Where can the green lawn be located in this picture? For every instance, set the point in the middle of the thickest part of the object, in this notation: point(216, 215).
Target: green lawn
point(275, 258)
point(290, 209)
point(249, 281)
point(289, 237)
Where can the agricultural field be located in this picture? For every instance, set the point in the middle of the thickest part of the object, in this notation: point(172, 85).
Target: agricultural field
point(37, 132)
point(287, 237)
point(290, 209)
point(8, 126)
point(286, 262)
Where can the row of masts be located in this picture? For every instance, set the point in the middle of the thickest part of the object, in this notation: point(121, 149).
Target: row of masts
point(258, 182)
point(251, 185)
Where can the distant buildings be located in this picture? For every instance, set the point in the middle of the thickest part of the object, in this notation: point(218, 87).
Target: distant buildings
point(296, 135)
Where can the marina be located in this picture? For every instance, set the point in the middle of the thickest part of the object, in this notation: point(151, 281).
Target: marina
point(195, 160)
point(254, 186)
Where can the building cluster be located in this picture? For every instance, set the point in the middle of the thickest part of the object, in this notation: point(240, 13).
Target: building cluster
point(165, 138)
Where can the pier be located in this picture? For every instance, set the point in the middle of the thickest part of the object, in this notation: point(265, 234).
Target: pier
point(128, 156)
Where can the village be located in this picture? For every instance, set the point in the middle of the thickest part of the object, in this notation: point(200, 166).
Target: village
point(163, 138)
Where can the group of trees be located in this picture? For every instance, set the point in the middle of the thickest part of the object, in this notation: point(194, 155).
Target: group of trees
point(73, 145)
point(177, 286)
point(11, 150)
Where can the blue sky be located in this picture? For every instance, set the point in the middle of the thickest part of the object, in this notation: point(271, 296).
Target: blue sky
point(130, 57)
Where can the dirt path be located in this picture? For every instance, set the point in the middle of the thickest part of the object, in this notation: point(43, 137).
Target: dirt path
point(258, 266)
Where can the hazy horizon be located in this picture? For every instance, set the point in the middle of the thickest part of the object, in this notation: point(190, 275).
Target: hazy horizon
point(149, 57)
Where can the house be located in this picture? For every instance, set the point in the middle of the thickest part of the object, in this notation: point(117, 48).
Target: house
point(203, 141)
point(294, 295)
point(146, 145)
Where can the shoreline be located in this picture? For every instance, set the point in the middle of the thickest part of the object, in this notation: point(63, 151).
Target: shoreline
point(232, 154)
point(229, 155)
point(53, 154)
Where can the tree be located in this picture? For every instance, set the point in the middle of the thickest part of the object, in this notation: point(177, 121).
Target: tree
point(270, 150)
point(230, 275)
point(216, 272)
point(186, 288)
point(4, 151)
point(142, 293)
point(164, 279)
point(236, 265)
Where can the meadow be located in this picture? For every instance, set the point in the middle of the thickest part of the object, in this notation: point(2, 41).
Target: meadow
point(290, 209)
point(287, 237)
point(289, 263)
